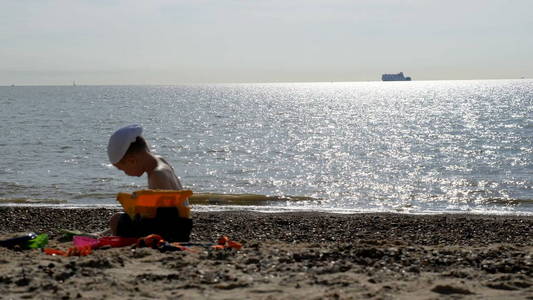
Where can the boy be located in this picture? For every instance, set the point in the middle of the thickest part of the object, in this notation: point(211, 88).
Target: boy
point(128, 151)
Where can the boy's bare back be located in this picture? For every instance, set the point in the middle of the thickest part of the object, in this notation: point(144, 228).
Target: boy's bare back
point(163, 176)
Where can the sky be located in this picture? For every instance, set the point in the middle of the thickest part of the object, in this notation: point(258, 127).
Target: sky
point(194, 41)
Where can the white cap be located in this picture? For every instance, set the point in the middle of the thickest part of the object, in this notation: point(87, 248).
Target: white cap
point(121, 140)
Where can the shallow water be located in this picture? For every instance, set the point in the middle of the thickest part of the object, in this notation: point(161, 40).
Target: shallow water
point(371, 146)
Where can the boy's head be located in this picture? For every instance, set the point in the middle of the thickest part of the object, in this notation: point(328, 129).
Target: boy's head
point(126, 149)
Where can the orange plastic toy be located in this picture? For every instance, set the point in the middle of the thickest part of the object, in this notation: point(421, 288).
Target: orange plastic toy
point(73, 251)
point(146, 202)
point(152, 240)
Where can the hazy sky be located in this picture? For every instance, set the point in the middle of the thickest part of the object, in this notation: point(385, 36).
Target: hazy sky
point(167, 42)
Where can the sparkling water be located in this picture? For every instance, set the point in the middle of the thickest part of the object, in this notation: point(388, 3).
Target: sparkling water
point(420, 146)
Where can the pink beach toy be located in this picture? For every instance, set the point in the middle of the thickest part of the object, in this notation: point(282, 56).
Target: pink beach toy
point(112, 241)
point(84, 241)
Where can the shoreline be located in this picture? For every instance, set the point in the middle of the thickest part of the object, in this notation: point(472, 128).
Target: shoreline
point(213, 208)
point(285, 255)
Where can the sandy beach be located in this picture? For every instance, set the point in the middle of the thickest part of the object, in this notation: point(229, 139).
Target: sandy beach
point(284, 256)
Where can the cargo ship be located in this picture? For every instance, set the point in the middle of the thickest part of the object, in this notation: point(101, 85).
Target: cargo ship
point(395, 77)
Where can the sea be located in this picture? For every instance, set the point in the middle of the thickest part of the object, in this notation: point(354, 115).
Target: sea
point(409, 147)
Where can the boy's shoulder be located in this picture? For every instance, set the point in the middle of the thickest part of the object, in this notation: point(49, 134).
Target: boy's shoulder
point(161, 162)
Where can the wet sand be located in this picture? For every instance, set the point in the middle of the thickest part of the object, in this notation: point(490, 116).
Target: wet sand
point(285, 255)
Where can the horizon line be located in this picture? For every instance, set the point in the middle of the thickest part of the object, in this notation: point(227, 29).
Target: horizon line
point(265, 82)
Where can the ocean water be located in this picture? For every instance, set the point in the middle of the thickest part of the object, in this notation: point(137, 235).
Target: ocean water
point(415, 147)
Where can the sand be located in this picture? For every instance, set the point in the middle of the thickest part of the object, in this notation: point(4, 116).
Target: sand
point(285, 256)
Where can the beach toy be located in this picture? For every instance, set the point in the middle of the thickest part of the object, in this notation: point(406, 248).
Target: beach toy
point(84, 245)
point(152, 241)
point(79, 251)
point(234, 245)
point(84, 241)
point(225, 242)
point(115, 241)
point(73, 251)
point(157, 242)
point(54, 252)
point(19, 241)
point(146, 202)
point(69, 234)
point(38, 242)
